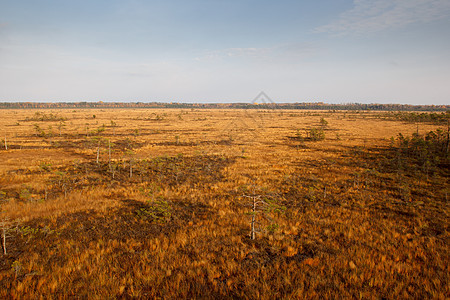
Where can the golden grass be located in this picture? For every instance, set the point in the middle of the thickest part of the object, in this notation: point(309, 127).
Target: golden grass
point(356, 222)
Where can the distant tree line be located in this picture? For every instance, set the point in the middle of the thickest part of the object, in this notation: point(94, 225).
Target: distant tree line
point(304, 105)
point(440, 118)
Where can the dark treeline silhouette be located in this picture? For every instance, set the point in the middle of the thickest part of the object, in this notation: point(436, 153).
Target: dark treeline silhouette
point(304, 105)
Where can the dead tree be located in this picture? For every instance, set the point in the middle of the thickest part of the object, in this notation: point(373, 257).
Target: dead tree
point(5, 227)
point(109, 153)
point(131, 167)
point(98, 150)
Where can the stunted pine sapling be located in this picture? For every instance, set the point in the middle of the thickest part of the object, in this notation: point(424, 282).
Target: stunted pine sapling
point(98, 150)
point(262, 207)
point(113, 125)
point(130, 153)
point(99, 141)
point(61, 125)
point(109, 152)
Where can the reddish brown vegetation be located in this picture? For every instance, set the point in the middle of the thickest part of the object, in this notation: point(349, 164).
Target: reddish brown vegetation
point(361, 216)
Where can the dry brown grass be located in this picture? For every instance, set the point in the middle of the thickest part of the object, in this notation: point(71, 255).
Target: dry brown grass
point(357, 222)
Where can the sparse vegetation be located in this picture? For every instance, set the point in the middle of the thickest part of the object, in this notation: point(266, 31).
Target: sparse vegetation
point(316, 134)
point(157, 210)
point(44, 117)
point(177, 209)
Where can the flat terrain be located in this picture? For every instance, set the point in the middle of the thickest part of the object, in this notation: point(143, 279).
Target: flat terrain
point(147, 203)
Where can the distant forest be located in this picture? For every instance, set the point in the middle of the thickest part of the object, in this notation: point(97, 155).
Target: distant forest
point(316, 106)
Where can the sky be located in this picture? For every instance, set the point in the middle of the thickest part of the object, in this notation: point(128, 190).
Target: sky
point(333, 51)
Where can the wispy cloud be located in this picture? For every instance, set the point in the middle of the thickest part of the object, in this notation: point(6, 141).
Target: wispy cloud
point(235, 53)
point(376, 15)
point(283, 52)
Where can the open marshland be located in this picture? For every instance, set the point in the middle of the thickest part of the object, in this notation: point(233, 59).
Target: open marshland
point(171, 203)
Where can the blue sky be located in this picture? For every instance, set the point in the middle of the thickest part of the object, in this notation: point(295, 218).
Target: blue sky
point(335, 51)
